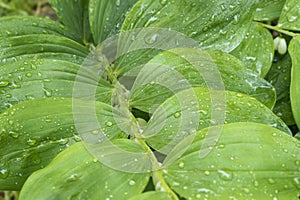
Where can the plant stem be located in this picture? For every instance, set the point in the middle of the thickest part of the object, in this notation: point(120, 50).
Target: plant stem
point(276, 28)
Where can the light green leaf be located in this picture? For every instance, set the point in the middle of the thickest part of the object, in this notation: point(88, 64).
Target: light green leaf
point(218, 25)
point(40, 45)
point(256, 50)
point(249, 161)
point(74, 14)
point(290, 18)
point(106, 17)
point(40, 78)
point(33, 132)
point(152, 195)
point(280, 77)
point(268, 10)
point(14, 26)
point(75, 174)
point(197, 108)
point(172, 71)
point(294, 49)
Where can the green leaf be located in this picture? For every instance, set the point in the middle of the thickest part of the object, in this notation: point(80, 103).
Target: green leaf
point(249, 161)
point(74, 14)
point(280, 77)
point(152, 195)
point(294, 49)
point(17, 47)
point(106, 17)
point(218, 25)
point(256, 50)
point(28, 79)
point(14, 26)
point(173, 70)
point(194, 109)
point(33, 132)
point(290, 18)
point(83, 177)
point(268, 10)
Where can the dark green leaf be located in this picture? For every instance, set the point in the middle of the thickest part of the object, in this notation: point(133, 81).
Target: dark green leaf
point(294, 49)
point(197, 108)
point(280, 77)
point(268, 10)
point(290, 18)
point(40, 78)
point(249, 161)
point(218, 25)
point(106, 17)
point(152, 195)
point(76, 174)
point(173, 70)
point(17, 47)
point(15, 26)
point(33, 132)
point(256, 50)
point(74, 14)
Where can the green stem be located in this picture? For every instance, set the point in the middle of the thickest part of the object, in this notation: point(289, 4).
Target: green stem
point(135, 132)
point(276, 28)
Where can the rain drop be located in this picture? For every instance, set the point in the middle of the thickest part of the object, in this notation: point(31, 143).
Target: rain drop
point(181, 165)
point(271, 181)
point(225, 174)
point(152, 39)
point(131, 182)
point(177, 114)
point(163, 2)
point(118, 3)
point(4, 173)
point(31, 142)
point(13, 134)
point(109, 123)
point(72, 178)
point(296, 182)
point(4, 83)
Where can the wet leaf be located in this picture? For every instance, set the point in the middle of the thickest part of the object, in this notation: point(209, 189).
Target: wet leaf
point(280, 77)
point(74, 14)
point(290, 18)
point(178, 69)
point(214, 24)
point(294, 49)
point(256, 50)
point(106, 17)
point(268, 10)
point(83, 177)
point(28, 79)
point(33, 132)
point(249, 160)
point(194, 109)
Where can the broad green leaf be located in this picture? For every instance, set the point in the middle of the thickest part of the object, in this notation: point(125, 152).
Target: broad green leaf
point(76, 174)
point(280, 77)
point(256, 50)
point(152, 195)
point(294, 49)
point(268, 10)
point(106, 17)
point(14, 26)
point(218, 25)
point(172, 71)
point(16, 47)
point(33, 132)
point(40, 78)
point(197, 108)
point(74, 14)
point(290, 18)
point(249, 161)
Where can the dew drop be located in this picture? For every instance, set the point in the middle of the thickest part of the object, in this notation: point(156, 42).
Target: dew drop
point(4, 173)
point(181, 165)
point(225, 174)
point(177, 114)
point(163, 2)
point(13, 134)
point(31, 142)
point(4, 83)
point(271, 181)
point(28, 75)
point(109, 123)
point(72, 178)
point(131, 182)
point(296, 182)
point(118, 3)
point(207, 173)
point(152, 39)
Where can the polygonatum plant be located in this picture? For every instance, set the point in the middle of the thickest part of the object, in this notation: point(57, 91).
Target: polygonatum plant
point(152, 99)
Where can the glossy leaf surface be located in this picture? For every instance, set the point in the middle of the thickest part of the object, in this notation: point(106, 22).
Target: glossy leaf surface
point(249, 161)
point(33, 132)
point(268, 10)
point(289, 18)
point(152, 195)
point(83, 177)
